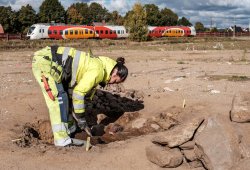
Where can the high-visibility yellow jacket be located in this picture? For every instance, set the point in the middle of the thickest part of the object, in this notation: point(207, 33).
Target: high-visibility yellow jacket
point(87, 73)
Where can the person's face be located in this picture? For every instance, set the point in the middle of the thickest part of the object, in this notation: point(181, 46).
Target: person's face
point(114, 79)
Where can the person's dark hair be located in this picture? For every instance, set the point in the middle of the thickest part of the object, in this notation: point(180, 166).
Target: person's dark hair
point(122, 70)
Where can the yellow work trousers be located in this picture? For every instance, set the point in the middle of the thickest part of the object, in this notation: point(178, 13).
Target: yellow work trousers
point(41, 66)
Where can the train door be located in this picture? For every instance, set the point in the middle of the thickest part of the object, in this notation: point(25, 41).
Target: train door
point(43, 31)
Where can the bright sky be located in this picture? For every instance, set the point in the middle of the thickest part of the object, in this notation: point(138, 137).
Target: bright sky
point(219, 13)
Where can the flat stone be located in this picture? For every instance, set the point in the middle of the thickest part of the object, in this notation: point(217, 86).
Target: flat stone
point(165, 120)
point(139, 123)
point(164, 156)
point(188, 145)
point(240, 111)
point(155, 126)
point(190, 155)
point(179, 135)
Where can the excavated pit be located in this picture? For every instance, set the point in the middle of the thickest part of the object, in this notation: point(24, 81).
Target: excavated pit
point(112, 115)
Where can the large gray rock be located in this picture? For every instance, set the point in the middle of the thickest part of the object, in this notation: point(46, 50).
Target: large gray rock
point(217, 145)
point(242, 165)
point(240, 111)
point(178, 135)
point(164, 156)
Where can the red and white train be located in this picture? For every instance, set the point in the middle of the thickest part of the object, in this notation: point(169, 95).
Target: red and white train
point(61, 31)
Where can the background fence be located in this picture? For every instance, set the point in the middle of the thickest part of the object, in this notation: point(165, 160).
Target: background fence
point(8, 36)
point(222, 34)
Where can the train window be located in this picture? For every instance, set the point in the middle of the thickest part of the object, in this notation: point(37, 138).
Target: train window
point(66, 32)
point(86, 31)
point(76, 32)
point(114, 31)
point(31, 30)
point(122, 31)
point(61, 32)
point(40, 30)
point(110, 31)
point(106, 31)
point(91, 32)
point(119, 32)
point(71, 32)
point(101, 31)
point(43, 30)
point(49, 32)
point(97, 31)
point(55, 31)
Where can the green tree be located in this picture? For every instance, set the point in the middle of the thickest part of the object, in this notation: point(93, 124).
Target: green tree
point(73, 15)
point(83, 8)
point(16, 26)
point(184, 21)
point(214, 29)
point(51, 10)
point(168, 17)
point(26, 17)
point(199, 27)
point(137, 23)
point(97, 13)
point(153, 14)
point(116, 18)
point(6, 18)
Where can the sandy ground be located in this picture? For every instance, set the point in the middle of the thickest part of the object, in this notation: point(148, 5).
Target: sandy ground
point(165, 77)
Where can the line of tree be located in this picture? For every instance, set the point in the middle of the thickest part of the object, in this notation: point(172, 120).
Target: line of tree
point(81, 13)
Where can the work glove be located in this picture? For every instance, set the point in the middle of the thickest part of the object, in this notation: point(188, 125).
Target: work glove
point(82, 124)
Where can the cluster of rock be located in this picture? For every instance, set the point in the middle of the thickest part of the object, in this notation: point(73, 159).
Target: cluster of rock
point(170, 148)
point(214, 143)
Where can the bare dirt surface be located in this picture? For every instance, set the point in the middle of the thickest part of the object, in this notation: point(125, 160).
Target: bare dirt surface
point(205, 81)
